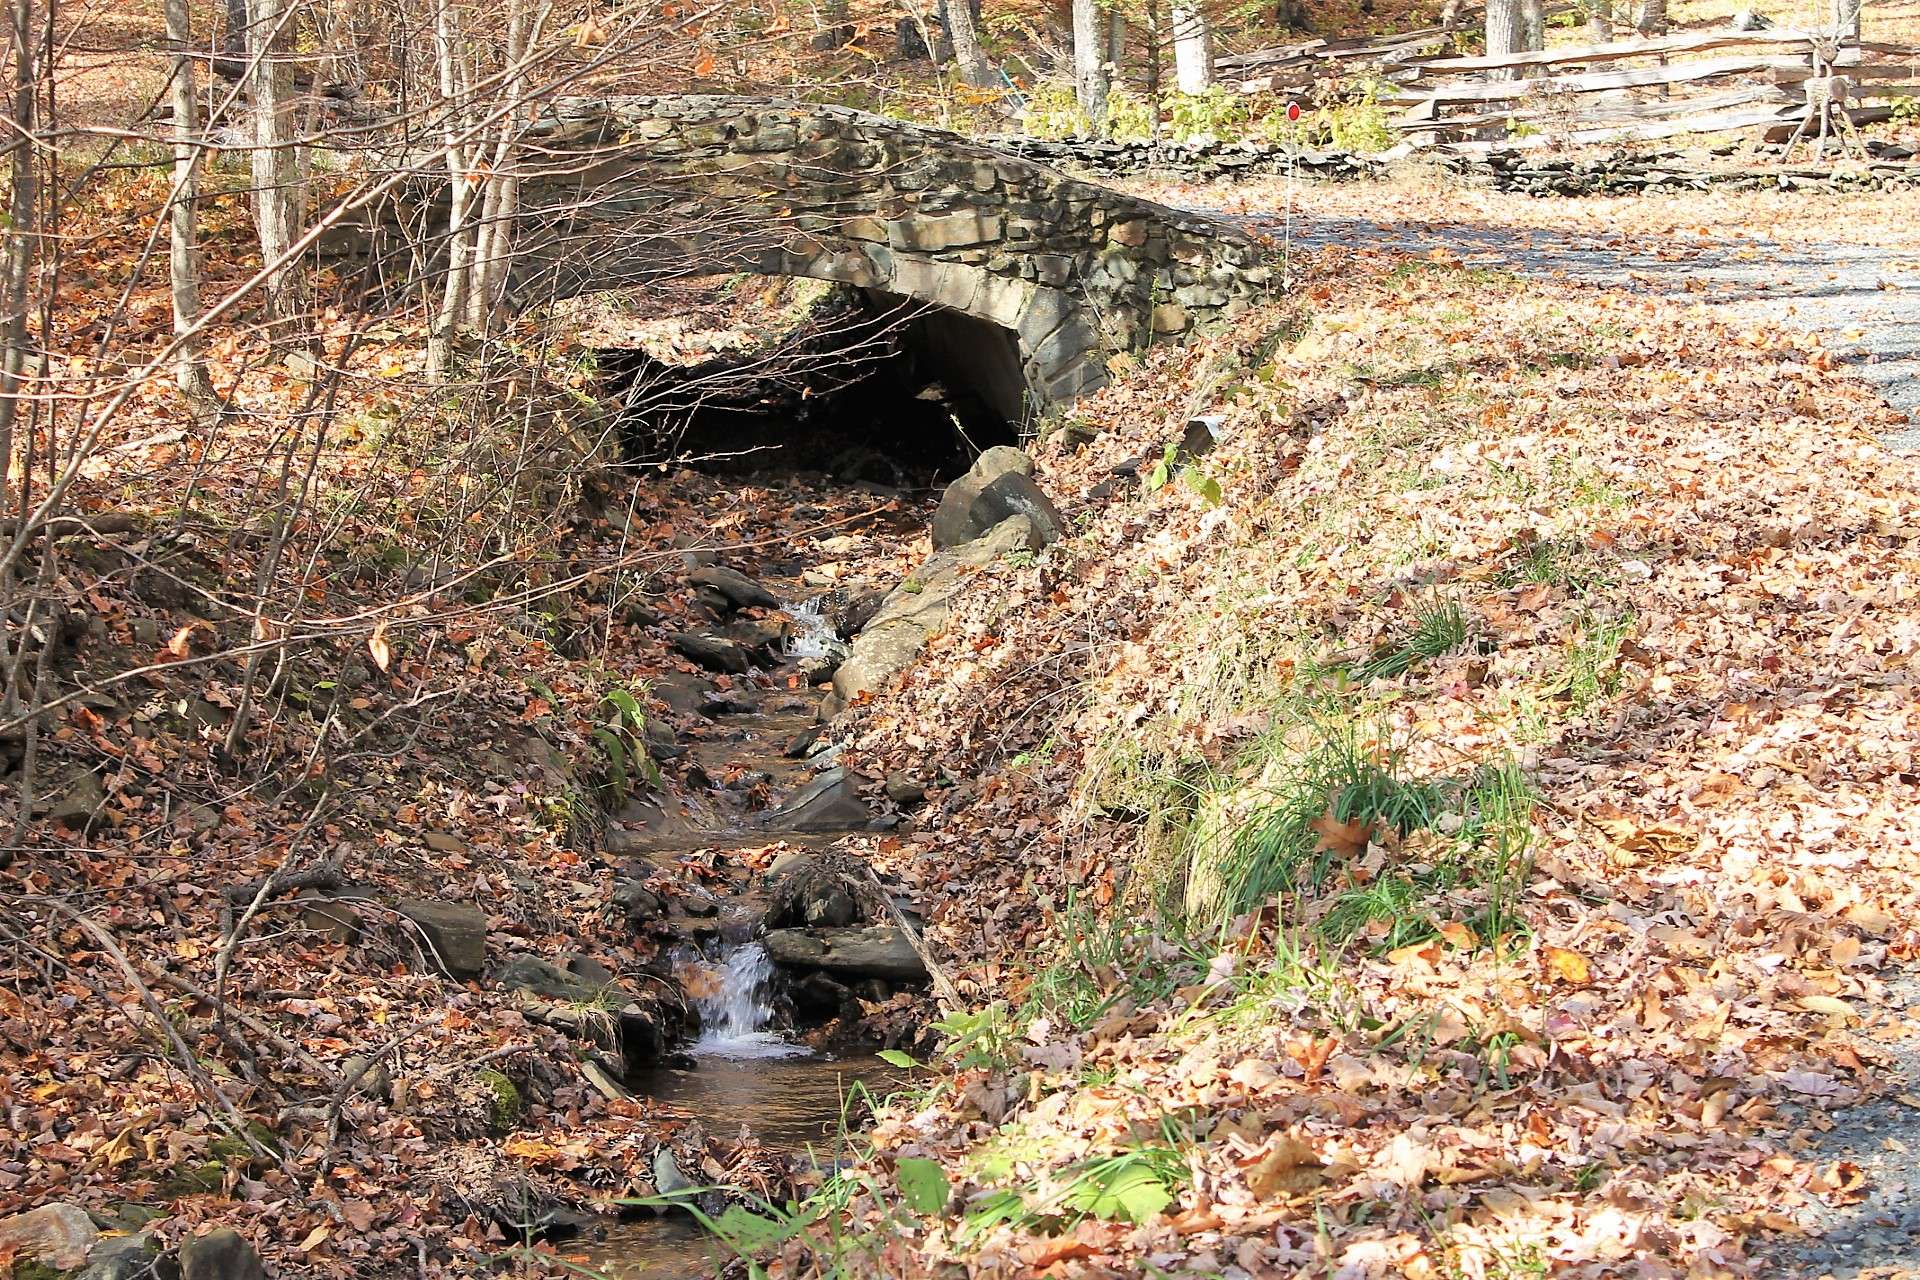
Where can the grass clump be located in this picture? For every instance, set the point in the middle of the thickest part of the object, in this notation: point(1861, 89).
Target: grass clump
point(1439, 628)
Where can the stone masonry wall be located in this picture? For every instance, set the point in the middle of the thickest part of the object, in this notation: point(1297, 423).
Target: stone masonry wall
point(626, 189)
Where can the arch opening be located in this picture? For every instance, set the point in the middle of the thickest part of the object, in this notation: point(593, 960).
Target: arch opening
point(869, 388)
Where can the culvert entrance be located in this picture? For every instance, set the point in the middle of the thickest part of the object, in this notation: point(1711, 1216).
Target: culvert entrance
point(870, 389)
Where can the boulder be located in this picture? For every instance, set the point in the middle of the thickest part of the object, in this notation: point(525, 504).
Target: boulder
point(740, 591)
point(79, 799)
point(831, 908)
point(680, 691)
point(828, 803)
point(904, 789)
point(1001, 460)
point(955, 521)
point(1014, 494)
point(341, 921)
point(918, 608)
point(1199, 438)
point(716, 653)
point(662, 743)
point(804, 889)
point(877, 951)
point(122, 1258)
point(637, 904)
point(853, 616)
point(456, 936)
point(220, 1255)
point(59, 1235)
point(529, 973)
point(764, 638)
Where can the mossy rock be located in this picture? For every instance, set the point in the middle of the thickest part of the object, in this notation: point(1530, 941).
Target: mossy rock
point(507, 1104)
point(32, 1269)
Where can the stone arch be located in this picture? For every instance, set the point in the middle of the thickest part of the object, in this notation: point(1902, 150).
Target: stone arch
point(619, 191)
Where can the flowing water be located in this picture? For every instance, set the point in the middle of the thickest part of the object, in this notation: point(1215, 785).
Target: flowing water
point(747, 1075)
point(735, 1002)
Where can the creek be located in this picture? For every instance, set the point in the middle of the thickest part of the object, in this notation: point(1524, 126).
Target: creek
point(770, 1055)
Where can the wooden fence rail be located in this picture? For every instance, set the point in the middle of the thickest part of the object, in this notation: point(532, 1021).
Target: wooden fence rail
point(1639, 88)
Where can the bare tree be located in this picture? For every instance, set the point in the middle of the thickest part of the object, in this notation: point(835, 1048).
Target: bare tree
point(184, 215)
point(278, 198)
point(1533, 24)
point(968, 54)
point(1090, 63)
point(1846, 21)
point(453, 299)
point(1192, 48)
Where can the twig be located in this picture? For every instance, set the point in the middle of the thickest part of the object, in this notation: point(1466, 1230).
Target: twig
point(367, 1063)
point(233, 1120)
point(943, 987)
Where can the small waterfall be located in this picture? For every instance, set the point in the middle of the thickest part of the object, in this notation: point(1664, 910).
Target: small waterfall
point(735, 1001)
point(813, 634)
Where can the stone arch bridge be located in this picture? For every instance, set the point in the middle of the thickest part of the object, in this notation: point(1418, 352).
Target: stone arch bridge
point(1039, 277)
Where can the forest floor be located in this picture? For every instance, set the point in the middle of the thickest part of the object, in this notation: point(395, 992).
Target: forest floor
point(1462, 825)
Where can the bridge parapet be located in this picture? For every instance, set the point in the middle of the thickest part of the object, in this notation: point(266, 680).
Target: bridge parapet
point(620, 190)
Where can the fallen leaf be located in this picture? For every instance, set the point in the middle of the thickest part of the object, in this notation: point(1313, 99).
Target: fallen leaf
point(1569, 967)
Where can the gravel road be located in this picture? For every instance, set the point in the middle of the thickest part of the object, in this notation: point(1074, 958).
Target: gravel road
point(1862, 302)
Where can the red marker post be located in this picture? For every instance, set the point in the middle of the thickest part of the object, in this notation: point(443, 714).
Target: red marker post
point(1293, 113)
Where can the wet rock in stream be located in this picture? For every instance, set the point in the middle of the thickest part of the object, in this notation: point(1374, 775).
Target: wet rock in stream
point(876, 951)
point(828, 803)
point(716, 653)
point(737, 588)
point(682, 692)
point(587, 1002)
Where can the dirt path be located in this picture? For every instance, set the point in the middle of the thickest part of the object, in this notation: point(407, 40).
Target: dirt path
point(1861, 299)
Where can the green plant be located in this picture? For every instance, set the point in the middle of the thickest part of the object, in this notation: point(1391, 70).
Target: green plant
point(980, 1038)
point(1218, 112)
point(621, 736)
point(1440, 627)
point(1101, 961)
point(1170, 468)
point(1592, 667)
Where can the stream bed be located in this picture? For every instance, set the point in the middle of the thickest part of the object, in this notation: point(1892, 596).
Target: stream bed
point(746, 1071)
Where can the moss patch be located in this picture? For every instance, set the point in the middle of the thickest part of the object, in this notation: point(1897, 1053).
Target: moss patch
point(507, 1104)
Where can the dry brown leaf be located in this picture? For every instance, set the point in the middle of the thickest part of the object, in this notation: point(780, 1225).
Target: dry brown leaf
point(1569, 967)
point(1348, 839)
point(1287, 1165)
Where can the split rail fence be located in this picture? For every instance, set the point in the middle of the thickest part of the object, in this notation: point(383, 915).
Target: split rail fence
point(1620, 90)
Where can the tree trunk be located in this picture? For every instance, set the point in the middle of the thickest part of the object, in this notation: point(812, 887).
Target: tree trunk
point(277, 197)
point(1192, 49)
point(453, 297)
point(1653, 18)
point(1846, 15)
point(1506, 33)
point(184, 215)
point(494, 236)
point(1155, 33)
point(1533, 24)
point(1089, 64)
point(967, 53)
point(22, 249)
